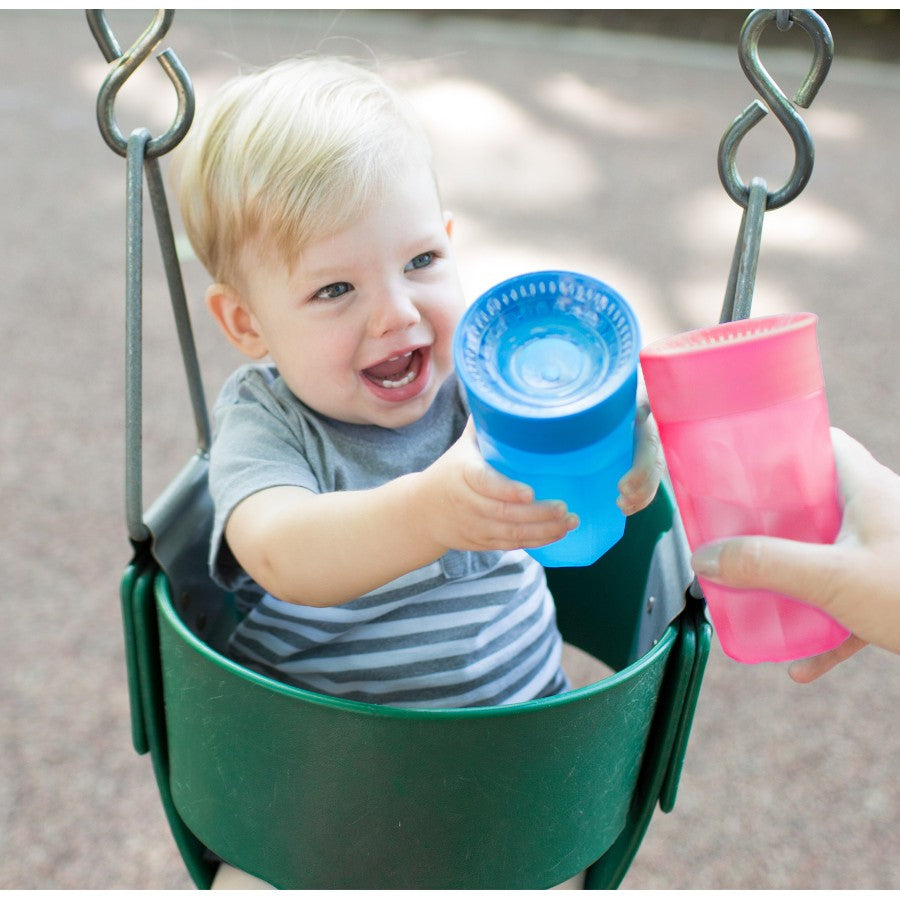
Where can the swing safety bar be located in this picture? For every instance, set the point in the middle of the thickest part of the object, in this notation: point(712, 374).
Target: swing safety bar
point(756, 198)
point(142, 152)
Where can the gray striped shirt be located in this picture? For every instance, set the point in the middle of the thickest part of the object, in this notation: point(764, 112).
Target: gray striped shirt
point(470, 629)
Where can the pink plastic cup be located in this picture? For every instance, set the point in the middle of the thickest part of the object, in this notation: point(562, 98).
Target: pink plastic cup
point(744, 426)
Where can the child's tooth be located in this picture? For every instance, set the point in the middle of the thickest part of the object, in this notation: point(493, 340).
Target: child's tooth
point(401, 383)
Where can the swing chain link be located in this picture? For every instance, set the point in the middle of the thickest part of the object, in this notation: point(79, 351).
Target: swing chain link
point(756, 198)
point(124, 65)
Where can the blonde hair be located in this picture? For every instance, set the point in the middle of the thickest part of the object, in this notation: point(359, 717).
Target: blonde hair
point(282, 154)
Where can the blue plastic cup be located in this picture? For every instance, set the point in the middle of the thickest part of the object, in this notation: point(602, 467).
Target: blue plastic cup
point(549, 364)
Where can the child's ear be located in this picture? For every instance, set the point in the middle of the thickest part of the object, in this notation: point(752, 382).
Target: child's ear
point(236, 321)
point(448, 223)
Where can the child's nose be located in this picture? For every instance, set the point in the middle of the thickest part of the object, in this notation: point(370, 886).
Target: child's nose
point(394, 310)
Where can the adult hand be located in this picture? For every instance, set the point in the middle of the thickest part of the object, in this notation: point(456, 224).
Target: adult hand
point(856, 580)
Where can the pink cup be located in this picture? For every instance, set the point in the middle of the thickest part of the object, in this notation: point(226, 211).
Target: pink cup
point(744, 425)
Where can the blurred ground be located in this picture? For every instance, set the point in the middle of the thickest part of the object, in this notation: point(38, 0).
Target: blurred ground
point(872, 34)
point(590, 148)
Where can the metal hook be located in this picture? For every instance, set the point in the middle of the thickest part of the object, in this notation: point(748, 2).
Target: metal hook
point(125, 64)
point(804, 154)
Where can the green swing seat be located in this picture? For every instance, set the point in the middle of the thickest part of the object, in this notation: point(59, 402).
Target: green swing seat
point(308, 791)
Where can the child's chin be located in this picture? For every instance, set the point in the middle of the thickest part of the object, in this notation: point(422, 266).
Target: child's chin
point(398, 415)
point(407, 414)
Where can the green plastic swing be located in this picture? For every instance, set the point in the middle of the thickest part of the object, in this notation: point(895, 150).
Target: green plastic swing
point(308, 791)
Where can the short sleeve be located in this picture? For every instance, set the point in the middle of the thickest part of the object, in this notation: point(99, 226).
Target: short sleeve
point(255, 448)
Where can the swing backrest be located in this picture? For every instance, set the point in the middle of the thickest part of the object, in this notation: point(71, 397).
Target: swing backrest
point(307, 791)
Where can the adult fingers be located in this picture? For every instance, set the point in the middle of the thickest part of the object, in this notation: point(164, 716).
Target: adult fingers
point(805, 670)
point(809, 572)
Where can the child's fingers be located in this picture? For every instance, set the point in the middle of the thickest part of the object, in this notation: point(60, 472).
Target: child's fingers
point(486, 481)
point(511, 518)
point(542, 512)
point(637, 489)
point(483, 478)
point(506, 508)
point(648, 450)
point(533, 524)
point(639, 484)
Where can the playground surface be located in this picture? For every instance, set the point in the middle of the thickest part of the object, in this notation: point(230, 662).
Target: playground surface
point(558, 147)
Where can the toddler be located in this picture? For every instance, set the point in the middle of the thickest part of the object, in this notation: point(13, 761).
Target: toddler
point(374, 554)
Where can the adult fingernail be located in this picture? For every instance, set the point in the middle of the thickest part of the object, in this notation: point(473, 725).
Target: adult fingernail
point(706, 560)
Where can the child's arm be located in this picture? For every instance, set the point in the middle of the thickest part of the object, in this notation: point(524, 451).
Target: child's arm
point(326, 549)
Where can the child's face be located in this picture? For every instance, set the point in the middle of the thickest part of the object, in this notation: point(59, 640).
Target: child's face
point(361, 329)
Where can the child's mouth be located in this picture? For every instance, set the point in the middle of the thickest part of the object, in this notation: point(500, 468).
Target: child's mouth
point(396, 372)
point(399, 377)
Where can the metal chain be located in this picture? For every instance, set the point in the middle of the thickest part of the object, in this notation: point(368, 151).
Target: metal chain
point(142, 152)
point(756, 198)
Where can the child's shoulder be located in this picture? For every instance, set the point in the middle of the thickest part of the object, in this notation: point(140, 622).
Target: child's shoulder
point(254, 382)
point(257, 387)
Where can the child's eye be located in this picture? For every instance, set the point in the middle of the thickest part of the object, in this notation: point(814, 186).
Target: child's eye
point(422, 261)
point(332, 291)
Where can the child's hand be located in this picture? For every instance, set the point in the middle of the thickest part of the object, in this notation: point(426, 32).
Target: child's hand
point(639, 484)
point(471, 506)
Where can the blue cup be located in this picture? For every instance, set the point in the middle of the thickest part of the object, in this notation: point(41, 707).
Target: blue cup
point(549, 364)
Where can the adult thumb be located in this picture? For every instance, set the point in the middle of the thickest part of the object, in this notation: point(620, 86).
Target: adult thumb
point(795, 568)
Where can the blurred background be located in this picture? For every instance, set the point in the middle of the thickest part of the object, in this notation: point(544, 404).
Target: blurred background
point(572, 139)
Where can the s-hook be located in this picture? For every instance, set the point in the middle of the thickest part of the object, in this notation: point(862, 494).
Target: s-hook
point(125, 64)
point(756, 198)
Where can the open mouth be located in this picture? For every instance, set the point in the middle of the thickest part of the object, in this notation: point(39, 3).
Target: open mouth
point(401, 377)
point(396, 372)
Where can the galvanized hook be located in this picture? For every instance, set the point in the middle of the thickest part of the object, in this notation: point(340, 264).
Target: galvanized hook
point(804, 154)
point(124, 65)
